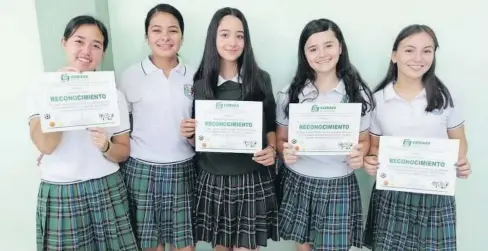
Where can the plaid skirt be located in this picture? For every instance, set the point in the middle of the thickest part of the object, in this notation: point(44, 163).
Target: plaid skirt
point(91, 215)
point(326, 213)
point(237, 210)
point(411, 222)
point(160, 200)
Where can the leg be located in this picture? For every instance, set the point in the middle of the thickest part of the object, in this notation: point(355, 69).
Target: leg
point(304, 247)
point(159, 248)
point(222, 248)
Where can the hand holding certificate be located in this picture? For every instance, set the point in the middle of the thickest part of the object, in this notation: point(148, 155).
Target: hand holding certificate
point(74, 101)
point(228, 126)
point(324, 129)
point(417, 165)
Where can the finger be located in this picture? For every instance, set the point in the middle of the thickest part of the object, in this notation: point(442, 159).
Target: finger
point(461, 162)
point(263, 157)
point(287, 145)
point(358, 147)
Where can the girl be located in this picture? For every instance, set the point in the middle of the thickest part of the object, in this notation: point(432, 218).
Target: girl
point(235, 199)
point(321, 207)
point(159, 173)
point(82, 203)
point(413, 102)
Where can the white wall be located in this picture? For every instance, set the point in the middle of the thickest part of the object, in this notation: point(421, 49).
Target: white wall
point(20, 61)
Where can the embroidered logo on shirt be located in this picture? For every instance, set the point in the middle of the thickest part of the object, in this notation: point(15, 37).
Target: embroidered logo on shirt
point(188, 90)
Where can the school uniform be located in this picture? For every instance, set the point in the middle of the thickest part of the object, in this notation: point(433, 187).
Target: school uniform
point(235, 196)
point(321, 202)
point(160, 172)
point(403, 220)
point(82, 200)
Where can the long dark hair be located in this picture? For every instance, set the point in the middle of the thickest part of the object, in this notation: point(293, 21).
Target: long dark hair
point(353, 82)
point(253, 86)
point(438, 96)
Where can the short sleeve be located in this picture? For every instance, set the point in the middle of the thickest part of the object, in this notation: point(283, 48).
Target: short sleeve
point(33, 104)
point(455, 115)
point(123, 86)
point(375, 128)
point(281, 103)
point(124, 126)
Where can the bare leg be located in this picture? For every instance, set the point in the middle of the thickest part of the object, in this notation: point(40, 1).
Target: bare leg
point(304, 247)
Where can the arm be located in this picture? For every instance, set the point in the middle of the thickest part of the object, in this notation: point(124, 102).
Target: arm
point(46, 143)
point(118, 149)
point(364, 140)
point(282, 135)
point(458, 133)
point(374, 143)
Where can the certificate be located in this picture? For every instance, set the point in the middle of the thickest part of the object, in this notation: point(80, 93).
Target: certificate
point(324, 129)
point(418, 165)
point(228, 126)
point(74, 101)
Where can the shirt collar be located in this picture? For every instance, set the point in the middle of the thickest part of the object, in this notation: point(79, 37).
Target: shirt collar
point(236, 79)
point(390, 93)
point(148, 67)
point(309, 88)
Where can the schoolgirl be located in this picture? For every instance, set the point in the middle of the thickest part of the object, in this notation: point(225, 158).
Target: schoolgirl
point(321, 207)
point(413, 102)
point(160, 172)
point(235, 199)
point(82, 201)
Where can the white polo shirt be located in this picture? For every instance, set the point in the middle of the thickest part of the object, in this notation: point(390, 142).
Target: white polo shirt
point(158, 105)
point(319, 166)
point(395, 116)
point(76, 158)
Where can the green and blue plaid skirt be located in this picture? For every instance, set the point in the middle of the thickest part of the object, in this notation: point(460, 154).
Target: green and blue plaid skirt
point(325, 213)
point(410, 222)
point(237, 210)
point(86, 216)
point(160, 201)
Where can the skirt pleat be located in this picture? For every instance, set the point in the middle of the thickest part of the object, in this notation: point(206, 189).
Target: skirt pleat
point(411, 222)
point(238, 210)
point(160, 200)
point(91, 215)
point(325, 213)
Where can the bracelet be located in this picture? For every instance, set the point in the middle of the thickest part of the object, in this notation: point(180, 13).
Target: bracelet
point(108, 147)
point(274, 148)
point(371, 155)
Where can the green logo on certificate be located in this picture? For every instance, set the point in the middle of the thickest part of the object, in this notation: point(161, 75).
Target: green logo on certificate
point(408, 142)
point(222, 105)
point(317, 108)
point(66, 77)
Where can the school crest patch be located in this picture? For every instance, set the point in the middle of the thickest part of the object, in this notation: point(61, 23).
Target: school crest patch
point(188, 90)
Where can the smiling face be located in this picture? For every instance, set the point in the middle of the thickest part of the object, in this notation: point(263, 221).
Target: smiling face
point(322, 51)
point(164, 35)
point(230, 38)
point(84, 48)
point(414, 55)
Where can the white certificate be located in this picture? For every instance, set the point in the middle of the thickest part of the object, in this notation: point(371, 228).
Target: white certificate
point(74, 101)
point(228, 126)
point(418, 165)
point(324, 129)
